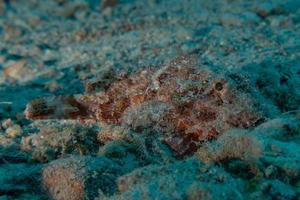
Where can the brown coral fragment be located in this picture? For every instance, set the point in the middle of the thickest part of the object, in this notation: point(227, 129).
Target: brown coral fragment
point(198, 104)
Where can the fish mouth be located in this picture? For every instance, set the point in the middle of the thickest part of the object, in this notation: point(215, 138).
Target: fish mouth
point(38, 109)
point(60, 107)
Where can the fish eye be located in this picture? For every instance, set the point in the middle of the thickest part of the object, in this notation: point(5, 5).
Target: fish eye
point(219, 86)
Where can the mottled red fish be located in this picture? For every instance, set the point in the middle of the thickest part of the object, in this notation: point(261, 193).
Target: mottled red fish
point(185, 102)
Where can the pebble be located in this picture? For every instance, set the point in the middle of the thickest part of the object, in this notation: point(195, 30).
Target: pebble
point(79, 178)
point(14, 131)
point(15, 69)
point(7, 123)
point(18, 72)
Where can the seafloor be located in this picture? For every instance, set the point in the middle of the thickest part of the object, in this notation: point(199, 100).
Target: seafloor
point(150, 99)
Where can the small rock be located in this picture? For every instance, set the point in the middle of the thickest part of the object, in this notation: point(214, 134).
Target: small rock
point(79, 178)
point(53, 86)
point(4, 141)
point(7, 123)
point(14, 131)
point(14, 69)
point(18, 71)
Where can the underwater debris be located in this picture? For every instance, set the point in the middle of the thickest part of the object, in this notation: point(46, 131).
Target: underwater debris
point(188, 104)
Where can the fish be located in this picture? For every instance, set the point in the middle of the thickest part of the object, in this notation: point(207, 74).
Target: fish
point(186, 102)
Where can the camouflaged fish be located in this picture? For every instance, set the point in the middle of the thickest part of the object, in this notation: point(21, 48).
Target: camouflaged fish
point(187, 103)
